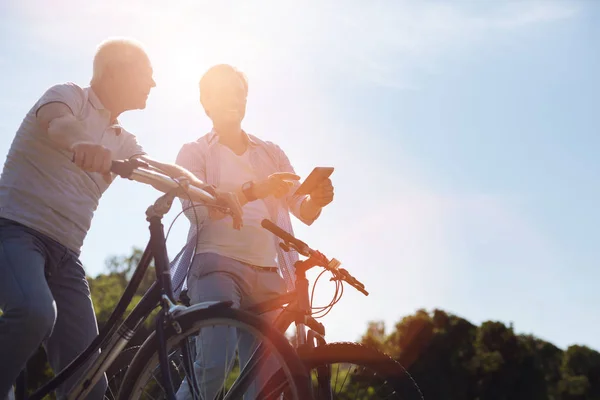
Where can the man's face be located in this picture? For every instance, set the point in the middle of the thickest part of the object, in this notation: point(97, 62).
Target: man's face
point(225, 101)
point(132, 82)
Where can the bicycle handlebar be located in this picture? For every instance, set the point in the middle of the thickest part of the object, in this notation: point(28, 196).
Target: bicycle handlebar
point(141, 172)
point(298, 244)
point(302, 248)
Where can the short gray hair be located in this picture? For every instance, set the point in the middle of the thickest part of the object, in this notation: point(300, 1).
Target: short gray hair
point(115, 50)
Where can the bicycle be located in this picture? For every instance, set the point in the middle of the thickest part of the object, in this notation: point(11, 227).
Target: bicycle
point(312, 348)
point(174, 322)
point(314, 351)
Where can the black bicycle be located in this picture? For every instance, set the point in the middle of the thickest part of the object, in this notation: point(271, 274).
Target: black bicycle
point(153, 369)
point(338, 370)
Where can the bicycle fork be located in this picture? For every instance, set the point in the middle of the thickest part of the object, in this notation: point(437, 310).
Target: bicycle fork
point(310, 339)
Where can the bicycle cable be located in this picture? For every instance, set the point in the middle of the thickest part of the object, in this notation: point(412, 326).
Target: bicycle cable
point(339, 290)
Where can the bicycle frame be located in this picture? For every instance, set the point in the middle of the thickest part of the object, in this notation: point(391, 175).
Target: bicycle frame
point(114, 336)
point(298, 310)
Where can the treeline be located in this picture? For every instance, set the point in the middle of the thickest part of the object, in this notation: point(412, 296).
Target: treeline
point(449, 357)
point(452, 359)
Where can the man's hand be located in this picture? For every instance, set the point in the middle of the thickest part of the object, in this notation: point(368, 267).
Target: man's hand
point(229, 200)
point(322, 195)
point(277, 184)
point(92, 157)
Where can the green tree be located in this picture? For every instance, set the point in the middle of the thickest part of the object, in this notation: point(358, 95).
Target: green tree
point(450, 358)
point(375, 336)
point(580, 372)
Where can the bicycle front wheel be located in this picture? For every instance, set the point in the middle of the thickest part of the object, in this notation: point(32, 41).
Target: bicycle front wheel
point(353, 371)
point(143, 378)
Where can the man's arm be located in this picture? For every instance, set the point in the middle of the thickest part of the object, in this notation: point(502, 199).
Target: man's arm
point(58, 121)
point(56, 114)
point(286, 181)
point(63, 128)
point(309, 210)
point(301, 206)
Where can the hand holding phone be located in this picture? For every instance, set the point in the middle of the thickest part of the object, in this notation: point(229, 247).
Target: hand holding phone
point(314, 185)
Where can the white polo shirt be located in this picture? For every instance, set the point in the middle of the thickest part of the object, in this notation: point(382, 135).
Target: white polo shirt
point(41, 187)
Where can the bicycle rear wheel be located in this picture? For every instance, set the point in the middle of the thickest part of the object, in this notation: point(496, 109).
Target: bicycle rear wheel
point(141, 380)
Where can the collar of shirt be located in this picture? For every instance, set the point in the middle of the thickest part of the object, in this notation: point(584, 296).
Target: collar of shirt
point(213, 135)
point(97, 104)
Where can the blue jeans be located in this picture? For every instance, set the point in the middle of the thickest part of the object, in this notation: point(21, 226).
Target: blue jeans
point(216, 278)
point(45, 299)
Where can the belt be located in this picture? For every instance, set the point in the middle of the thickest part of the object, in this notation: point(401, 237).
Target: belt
point(262, 269)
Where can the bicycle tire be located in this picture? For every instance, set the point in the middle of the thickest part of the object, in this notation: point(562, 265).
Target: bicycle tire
point(189, 322)
point(390, 371)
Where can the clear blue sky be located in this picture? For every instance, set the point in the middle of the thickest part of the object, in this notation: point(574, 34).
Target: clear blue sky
point(464, 136)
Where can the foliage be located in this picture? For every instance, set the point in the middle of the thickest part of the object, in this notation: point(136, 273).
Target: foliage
point(450, 358)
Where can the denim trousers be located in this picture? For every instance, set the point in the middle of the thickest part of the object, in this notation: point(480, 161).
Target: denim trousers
point(45, 299)
point(213, 277)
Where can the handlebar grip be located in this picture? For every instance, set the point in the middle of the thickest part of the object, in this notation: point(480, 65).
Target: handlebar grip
point(286, 237)
point(363, 291)
point(350, 278)
point(355, 283)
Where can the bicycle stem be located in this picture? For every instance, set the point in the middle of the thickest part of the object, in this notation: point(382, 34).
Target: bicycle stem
point(154, 215)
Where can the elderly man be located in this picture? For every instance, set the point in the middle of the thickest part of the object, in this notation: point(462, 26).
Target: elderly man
point(55, 173)
point(243, 265)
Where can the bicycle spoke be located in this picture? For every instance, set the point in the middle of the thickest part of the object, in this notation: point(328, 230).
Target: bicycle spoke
point(111, 393)
point(345, 378)
point(158, 382)
point(336, 378)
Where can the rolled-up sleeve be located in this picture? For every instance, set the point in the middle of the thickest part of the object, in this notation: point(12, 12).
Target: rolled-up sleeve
point(131, 147)
point(191, 158)
point(68, 94)
point(294, 202)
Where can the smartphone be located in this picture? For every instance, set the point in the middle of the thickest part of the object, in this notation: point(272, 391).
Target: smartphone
point(318, 175)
